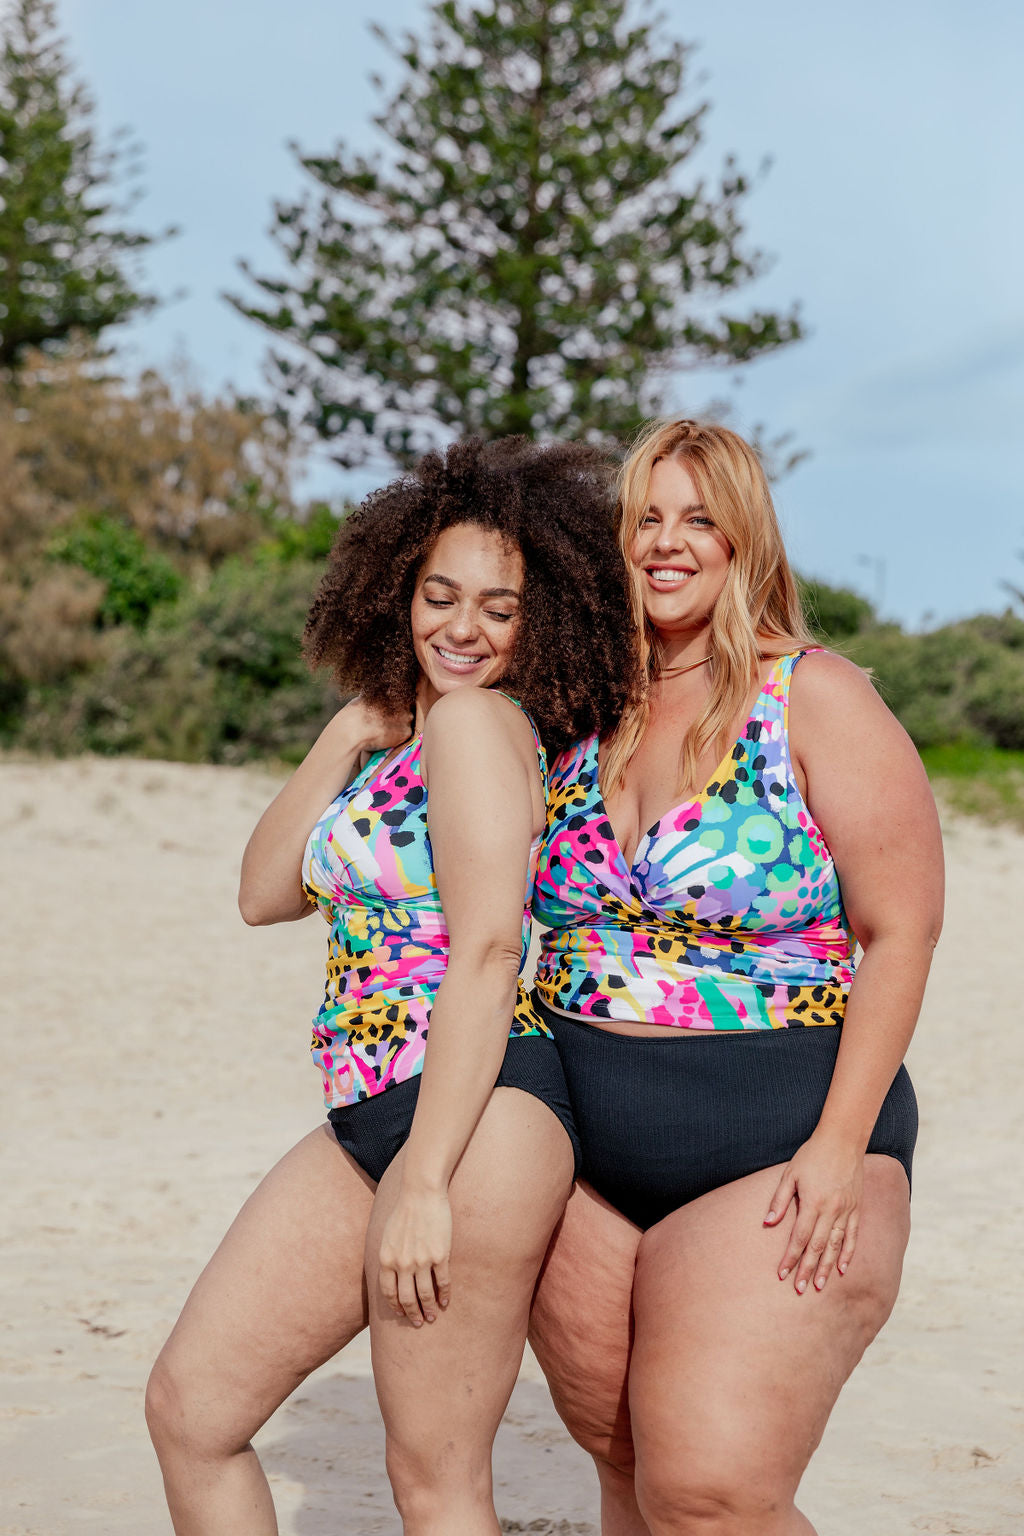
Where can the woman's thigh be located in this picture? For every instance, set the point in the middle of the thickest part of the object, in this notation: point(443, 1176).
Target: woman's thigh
point(581, 1324)
point(734, 1373)
point(283, 1293)
point(450, 1381)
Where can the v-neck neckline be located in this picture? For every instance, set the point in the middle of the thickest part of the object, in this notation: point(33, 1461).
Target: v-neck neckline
point(693, 799)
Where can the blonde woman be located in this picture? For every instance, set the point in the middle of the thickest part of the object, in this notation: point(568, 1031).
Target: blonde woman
point(746, 1122)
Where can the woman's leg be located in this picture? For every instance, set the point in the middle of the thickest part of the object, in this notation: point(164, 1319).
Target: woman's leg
point(733, 1373)
point(282, 1294)
point(444, 1387)
point(581, 1330)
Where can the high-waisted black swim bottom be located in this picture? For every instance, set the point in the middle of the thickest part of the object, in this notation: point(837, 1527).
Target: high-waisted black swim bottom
point(662, 1121)
point(375, 1129)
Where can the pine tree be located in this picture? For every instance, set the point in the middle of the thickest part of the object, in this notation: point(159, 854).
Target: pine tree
point(64, 260)
point(526, 258)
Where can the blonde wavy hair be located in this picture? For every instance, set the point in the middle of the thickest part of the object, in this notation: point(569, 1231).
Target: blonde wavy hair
point(758, 611)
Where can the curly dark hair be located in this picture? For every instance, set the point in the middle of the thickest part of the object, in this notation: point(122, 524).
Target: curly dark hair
point(573, 665)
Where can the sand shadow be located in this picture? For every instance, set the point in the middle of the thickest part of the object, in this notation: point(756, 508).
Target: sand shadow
point(324, 1454)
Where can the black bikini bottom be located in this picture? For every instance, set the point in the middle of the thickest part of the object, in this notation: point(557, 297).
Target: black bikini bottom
point(376, 1128)
point(662, 1121)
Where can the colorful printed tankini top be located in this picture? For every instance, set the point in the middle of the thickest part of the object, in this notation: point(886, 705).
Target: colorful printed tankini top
point(731, 916)
point(369, 868)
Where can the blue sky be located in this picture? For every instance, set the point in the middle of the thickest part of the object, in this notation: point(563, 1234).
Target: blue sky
point(892, 209)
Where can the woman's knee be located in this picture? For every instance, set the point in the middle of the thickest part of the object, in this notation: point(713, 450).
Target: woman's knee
point(595, 1411)
point(429, 1479)
point(167, 1414)
point(615, 1461)
point(687, 1499)
point(188, 1417)
point(606, 1436)
point(589, 1387)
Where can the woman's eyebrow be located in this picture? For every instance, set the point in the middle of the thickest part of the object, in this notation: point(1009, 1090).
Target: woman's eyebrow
point(446, 581)
point(697, 506)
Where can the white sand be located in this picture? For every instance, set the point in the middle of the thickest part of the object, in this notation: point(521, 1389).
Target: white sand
point(154, 1066)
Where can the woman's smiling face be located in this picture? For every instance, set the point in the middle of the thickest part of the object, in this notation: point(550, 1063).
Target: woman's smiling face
point(465, 609)
point(682, 559)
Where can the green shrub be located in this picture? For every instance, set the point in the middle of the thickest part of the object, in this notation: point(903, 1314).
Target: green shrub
point(48, 633)
point(301, 538)
point(1003, 629)
point(958, 683)
point(137, 578)
point(217, 677)
point(834, 613)
point(995, 699)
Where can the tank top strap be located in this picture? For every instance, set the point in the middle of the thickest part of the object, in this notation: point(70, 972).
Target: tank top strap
point(542, 756)
point(774, 706)
point(773, 703)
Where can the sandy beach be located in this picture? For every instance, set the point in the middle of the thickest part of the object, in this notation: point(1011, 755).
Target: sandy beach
point(155, 1065)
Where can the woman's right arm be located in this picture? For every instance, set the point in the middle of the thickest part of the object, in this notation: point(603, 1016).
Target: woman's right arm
point(270, 889)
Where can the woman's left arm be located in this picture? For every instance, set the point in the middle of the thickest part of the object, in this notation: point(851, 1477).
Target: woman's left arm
point(868, 793)
point(484, 802)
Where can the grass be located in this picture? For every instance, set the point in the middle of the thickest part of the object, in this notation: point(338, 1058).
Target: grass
point(978, 780)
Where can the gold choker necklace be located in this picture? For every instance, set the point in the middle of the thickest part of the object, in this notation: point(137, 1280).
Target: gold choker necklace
point(678, 671)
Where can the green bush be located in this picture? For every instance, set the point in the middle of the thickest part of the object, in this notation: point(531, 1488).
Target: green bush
point(995, 699)
point(1003, 629)
point(136, 577)
point(913, 692)
point(961, 683)
point(834, 613)
point(217, 677)
point(300, 538)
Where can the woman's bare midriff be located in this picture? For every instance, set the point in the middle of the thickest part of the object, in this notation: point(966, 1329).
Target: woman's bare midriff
point(641, 1031)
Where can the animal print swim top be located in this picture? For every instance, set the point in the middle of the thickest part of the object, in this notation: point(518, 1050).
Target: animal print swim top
point(731, 916)
point(369, 868)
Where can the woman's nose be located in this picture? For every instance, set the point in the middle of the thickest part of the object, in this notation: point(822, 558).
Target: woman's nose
point(670, 540)
point(462, 625)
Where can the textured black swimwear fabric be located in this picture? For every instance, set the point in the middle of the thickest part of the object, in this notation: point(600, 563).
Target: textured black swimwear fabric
point(376, 1128)
point(662, 1121)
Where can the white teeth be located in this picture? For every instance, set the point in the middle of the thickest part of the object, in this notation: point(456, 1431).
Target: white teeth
point(673, 577)
point(457, 656)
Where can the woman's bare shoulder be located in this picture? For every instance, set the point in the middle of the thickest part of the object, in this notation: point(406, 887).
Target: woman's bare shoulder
point(480, 715)
point(840, 725)
point(825, 683)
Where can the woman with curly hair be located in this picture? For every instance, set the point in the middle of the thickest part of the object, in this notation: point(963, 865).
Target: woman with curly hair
point(746, 1124)
point(477, 606)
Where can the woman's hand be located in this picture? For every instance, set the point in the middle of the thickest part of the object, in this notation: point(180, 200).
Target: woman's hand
point(414, 1251)
point(374, 730)
point(825, 1177)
